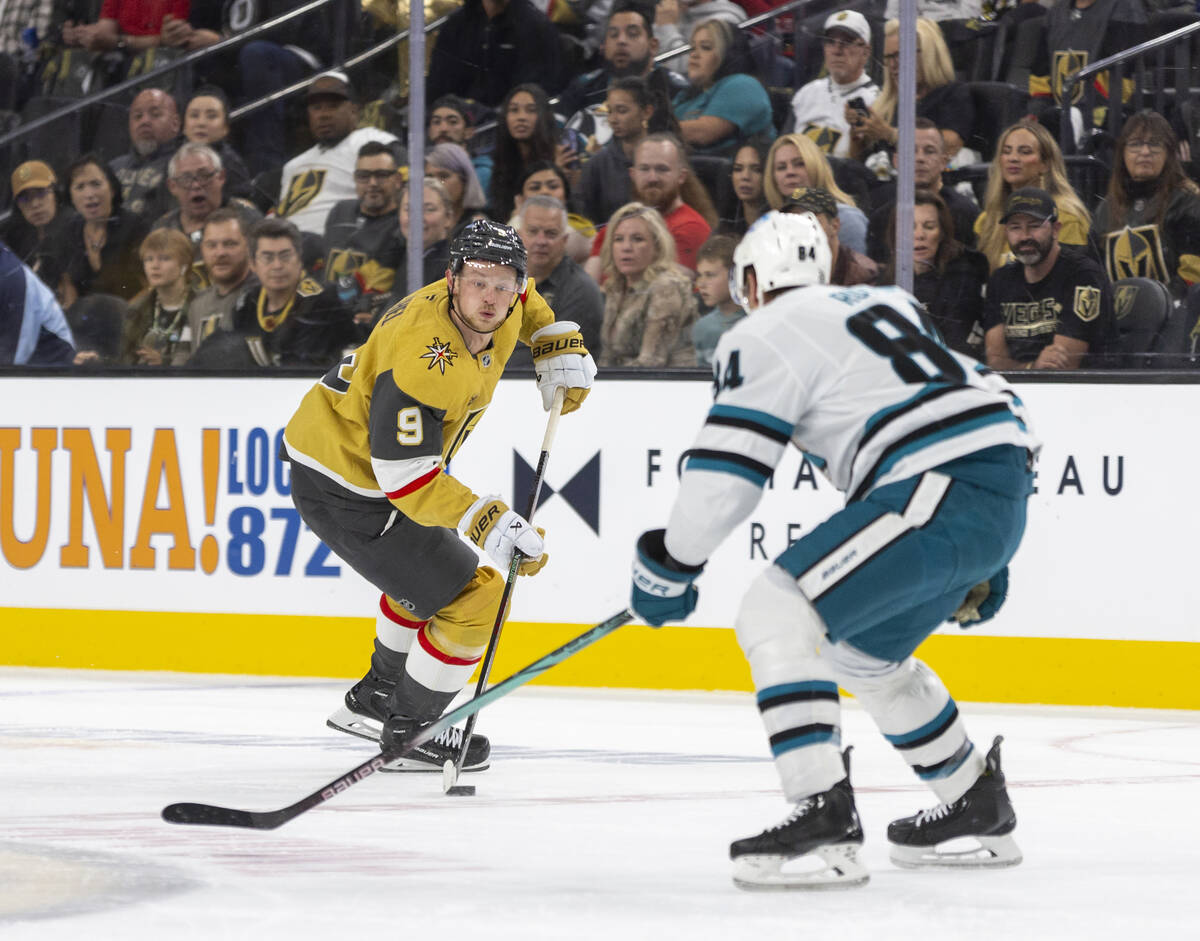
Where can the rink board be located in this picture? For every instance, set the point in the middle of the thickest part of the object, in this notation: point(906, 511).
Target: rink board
point(146, 524)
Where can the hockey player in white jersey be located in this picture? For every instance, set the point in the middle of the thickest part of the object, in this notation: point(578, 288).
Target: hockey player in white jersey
point(933, 452)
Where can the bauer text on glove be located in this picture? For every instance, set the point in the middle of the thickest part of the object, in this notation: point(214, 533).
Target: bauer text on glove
point(561, 359)
point(500, 532)
point(662, 586)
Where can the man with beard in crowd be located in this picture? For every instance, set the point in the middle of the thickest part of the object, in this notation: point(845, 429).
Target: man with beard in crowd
point(451, 121)
point(226, 255)
point(154, 137)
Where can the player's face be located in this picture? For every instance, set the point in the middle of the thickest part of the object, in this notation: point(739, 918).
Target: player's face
point(845, 55)
point(927, 234)
point(747, 175)
point(704, 59)
point(712, 282)
point(521, 115)
point(435, 218)
point(162, 268)
point(1021, 161)
point(628, 46)
point(545, 183)
point(90, 193)
point(447, 126)
point(545, 238)
point(153, 120)
point(1029, 238)
point(331, 118)
point(930, 158)
point(277, 264)
point(625, 118)
point(38, 204)
point(449, 179)
point(789, 169)
point(483, 293)
point(197, 185)
point(205, 121)
point(225, 253)
point(633, 248)
point(375, 182)
point(1145, 156)
point(657, 174)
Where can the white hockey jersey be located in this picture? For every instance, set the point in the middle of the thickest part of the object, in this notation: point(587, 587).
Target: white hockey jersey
point(313, 181)
point(854, 378)
point(820, 111)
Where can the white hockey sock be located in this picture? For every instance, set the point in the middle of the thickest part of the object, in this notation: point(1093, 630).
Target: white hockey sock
point(432, 678)
point(394, 631)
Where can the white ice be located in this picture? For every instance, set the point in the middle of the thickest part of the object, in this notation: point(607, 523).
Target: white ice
point(605, 815)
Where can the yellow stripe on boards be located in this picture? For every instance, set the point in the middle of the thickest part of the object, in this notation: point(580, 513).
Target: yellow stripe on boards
point(1060, 671)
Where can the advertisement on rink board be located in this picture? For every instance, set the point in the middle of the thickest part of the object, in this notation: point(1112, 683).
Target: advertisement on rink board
point(149, 494)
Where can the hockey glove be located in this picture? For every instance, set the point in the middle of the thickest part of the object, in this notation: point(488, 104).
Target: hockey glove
point(500, 532)
point(561, 359)
point(662, 586)
point(982, 601)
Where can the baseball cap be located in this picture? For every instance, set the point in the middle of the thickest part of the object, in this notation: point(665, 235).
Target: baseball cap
point(852, 22)
point(1030, 201)
point(333, 84)
point(811, 199)
point(32, 174)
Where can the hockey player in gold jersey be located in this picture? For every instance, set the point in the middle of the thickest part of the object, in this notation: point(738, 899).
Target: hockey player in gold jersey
point(369, 446)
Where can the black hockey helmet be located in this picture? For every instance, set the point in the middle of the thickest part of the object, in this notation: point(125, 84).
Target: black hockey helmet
point(484, 240)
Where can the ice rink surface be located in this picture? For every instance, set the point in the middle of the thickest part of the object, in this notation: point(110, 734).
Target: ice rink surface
point(605, 815)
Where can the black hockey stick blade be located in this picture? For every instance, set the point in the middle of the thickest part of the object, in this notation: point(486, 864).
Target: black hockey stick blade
point(212, 815)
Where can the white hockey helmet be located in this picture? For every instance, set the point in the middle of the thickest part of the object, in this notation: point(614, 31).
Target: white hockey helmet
point(786, 250)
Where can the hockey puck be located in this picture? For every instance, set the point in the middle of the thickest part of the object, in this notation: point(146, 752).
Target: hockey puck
point(462, 790)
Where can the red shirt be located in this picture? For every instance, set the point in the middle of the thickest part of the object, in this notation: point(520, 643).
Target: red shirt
point(143, 17)
point(686, 226)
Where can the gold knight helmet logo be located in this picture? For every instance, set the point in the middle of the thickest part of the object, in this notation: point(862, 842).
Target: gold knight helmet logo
point(1123, 300)
point(1087, 303)
point(1135, 252)
point(1066, 63)
point(302, 190)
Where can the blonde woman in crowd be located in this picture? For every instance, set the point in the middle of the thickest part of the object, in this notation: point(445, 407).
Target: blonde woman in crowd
point(796, 161)
point(1028, 155)
point(649, 306)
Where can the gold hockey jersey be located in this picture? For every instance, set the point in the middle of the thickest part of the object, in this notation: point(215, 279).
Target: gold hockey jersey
point(386, 420)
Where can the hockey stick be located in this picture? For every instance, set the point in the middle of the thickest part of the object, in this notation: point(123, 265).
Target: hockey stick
point(212, 815)
point(451, 772)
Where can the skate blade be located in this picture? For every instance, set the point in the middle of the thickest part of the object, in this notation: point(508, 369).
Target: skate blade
point(419, 766)
point(828, 867)
point(343, 720)
point(977, 852)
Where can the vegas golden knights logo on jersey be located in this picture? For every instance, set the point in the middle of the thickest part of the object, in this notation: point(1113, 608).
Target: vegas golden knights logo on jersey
point(1087, 303)
point(1135, 252)
point(824, 137)
point(343, 261)
point(1067, 62)
point(302, 190)
point(1124, 298)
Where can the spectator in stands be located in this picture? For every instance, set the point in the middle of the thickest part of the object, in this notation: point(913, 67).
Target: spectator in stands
point(315, 180)
point(948, 277)
point(18, 57)
point(226, 253)
point(156, 331)
point(796, 161)
point(629, 51)
point(362, 234)
point(33, 330)
point(928, 165)
point(674, 21)
point(527, 132)
point(132, 26)
point(747, 198)
point(153, 137)
point(1053, 305)
point(713, 261)
point(723, 104)
point(488, 47)
point(848, 266)
point(436, 219)
point(206, 121)
point(1149, 224)
point(820, 108)
point(1028, 155)
point(543, 178)
point(36, 225)
point(291, 321)
point(565, 286)
point(196, 178)
point(940, 98)
point(102, 242)
point(450, 165)
point(451, 121)
point(649, 306)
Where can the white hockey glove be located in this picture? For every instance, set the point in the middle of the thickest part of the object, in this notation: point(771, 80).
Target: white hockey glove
point(561, 359)
point(500, 532)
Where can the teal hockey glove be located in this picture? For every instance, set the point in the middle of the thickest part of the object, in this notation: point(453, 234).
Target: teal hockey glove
point(662, 586)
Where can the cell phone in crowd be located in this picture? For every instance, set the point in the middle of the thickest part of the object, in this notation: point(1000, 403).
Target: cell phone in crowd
point(859, 105)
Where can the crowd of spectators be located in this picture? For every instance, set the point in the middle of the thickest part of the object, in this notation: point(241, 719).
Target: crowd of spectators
point(176, 237)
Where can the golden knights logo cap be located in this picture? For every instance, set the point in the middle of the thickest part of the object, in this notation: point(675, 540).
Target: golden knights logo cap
point(32, 174)
point(1030, 201)
point(852, 22)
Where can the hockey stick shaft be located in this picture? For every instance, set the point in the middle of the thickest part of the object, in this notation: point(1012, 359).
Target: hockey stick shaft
point(190, 813)
point(485, 668)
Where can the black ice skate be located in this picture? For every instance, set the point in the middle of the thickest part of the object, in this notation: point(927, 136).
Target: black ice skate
point(432, 755)
point(982, 820)
point(824, 829)
point(363, 711)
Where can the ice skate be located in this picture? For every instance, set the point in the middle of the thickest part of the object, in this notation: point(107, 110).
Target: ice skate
point(974, 831)
point(432, 755)
point(364, 711)
point(820, 839)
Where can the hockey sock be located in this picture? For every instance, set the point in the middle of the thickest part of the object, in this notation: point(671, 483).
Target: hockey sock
point(432, 677)
point(395, 631)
